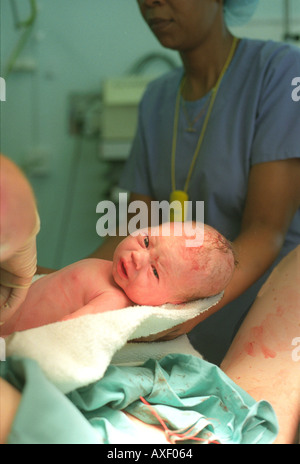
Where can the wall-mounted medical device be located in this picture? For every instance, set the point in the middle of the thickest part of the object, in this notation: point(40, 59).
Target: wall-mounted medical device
point(120, 102)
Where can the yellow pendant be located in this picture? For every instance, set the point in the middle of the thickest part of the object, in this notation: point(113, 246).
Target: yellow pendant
point(178, 210)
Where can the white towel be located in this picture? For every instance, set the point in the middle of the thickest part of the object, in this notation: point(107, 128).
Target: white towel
point(77, 352)
point(135, 354)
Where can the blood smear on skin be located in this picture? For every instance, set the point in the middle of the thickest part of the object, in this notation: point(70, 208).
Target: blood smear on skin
point(257, 346)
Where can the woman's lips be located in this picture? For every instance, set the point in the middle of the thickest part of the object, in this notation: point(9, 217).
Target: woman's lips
point(159, 23)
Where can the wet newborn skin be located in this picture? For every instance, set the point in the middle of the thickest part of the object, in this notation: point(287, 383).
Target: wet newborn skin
point(154, 268)
point(147, 269)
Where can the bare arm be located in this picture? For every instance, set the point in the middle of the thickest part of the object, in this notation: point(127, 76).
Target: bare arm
point(272, 200)
point(110, 300)
point(261, 358)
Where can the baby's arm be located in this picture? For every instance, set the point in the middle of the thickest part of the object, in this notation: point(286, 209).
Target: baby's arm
point(109, 300)
point(85, 287)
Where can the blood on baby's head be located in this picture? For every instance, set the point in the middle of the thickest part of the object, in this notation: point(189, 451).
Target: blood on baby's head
point(212, 261)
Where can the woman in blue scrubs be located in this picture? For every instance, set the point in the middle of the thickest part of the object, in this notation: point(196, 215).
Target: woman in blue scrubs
point(223, 129)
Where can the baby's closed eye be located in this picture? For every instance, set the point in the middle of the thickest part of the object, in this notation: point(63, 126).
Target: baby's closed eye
point(155, 272)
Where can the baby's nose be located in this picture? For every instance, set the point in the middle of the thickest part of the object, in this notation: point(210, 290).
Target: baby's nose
point(139, 259)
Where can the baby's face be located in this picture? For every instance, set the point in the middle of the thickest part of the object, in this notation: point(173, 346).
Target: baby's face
point(150, 269)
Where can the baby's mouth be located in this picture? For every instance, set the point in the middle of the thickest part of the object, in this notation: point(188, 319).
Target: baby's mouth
point(122, 269)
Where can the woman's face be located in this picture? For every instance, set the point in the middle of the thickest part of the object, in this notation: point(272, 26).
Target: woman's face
point(180, 24)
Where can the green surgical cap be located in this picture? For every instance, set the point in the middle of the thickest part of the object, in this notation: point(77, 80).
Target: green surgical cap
point(239, 12)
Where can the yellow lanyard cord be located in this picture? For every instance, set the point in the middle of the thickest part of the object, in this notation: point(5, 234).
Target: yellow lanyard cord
point(202, 134)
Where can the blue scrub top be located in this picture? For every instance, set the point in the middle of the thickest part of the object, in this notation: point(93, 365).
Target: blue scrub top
point(254, 120)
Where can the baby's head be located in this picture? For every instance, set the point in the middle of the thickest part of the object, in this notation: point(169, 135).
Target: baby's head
point(154, 268)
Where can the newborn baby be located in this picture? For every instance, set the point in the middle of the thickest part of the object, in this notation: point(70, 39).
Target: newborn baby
point(147, 269)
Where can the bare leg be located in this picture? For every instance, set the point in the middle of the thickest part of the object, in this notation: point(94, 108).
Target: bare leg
point(262, 357)
point(9, 402)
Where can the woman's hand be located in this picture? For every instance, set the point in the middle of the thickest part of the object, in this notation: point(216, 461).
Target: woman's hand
point(16, 276)
point(20, 225)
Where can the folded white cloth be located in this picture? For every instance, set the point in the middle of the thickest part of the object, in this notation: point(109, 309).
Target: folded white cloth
point(77, 352)
point(135, 354)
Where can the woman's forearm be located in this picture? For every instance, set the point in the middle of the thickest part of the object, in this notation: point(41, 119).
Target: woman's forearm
point(256, 248)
